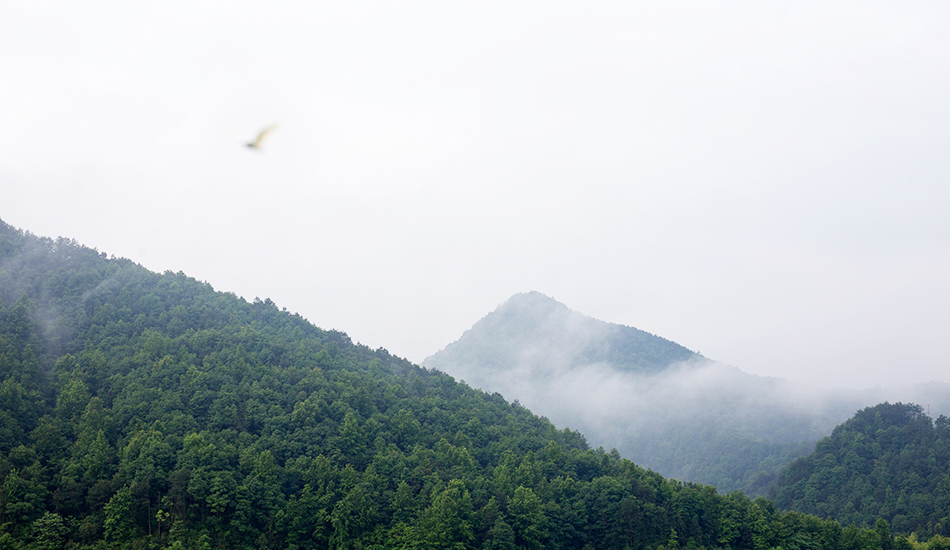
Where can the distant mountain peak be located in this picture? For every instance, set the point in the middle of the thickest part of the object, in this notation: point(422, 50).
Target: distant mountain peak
point(535, 333)
point(531, 299)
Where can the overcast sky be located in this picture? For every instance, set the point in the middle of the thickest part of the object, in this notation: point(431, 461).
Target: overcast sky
point(765, 183)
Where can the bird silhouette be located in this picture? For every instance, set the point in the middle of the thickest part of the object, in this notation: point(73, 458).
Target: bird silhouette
point(256, 144)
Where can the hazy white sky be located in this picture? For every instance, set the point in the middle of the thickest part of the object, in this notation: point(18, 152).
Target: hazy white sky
point(766, 183)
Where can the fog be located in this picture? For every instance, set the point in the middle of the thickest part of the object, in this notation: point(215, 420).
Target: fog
point(764, 183)
point(606, 404)
point(695, 420)
point(686, 421)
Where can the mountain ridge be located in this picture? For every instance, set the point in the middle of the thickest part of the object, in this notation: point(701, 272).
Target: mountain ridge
point(560, 336)
point(662, 405)
point(173, 416)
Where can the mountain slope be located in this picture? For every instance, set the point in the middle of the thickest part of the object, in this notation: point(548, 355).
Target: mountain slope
point(143, 410)
point(534, 331)
point(889, 461)
point(125, 393)
point(658, 403)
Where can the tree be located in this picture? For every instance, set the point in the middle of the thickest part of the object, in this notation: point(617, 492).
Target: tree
point(527, 518)
point(49, 532)
point(118, 516)
point(500, 537)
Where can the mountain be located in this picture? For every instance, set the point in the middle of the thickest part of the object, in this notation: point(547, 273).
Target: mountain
point(660, 404)
point(532, 331)
point(147, 411)
point(890, 461)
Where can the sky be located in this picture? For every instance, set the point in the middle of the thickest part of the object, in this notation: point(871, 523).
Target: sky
point(765, 183)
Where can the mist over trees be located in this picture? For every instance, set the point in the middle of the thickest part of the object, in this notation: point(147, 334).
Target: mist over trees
point(143, 410)
point(658, 403)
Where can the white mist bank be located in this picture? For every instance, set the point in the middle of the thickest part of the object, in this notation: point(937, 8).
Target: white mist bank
point(655, 401)
point(604, 403)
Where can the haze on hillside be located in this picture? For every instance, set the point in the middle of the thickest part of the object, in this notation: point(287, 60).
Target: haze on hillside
point(764, 181)
point(658, 403)
point(146, 410)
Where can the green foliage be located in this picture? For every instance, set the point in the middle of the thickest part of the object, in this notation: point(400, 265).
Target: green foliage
point(889, 462)
point(49, 532)
point(142, 410)
point(118, 523)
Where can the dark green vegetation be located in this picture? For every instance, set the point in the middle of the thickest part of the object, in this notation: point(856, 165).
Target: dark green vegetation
point(140, 410)
point(890, 461)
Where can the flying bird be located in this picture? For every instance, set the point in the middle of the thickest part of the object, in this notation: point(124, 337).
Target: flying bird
point(256, 144)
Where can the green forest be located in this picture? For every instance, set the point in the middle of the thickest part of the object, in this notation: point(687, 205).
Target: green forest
point(890, 461)
point(145, 410)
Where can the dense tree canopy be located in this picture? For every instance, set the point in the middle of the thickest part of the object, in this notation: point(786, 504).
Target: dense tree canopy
point(890, 461)
point(143, 410)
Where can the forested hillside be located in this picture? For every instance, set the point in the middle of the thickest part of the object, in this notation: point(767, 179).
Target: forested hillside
point(890, 461)
point(143, 410)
